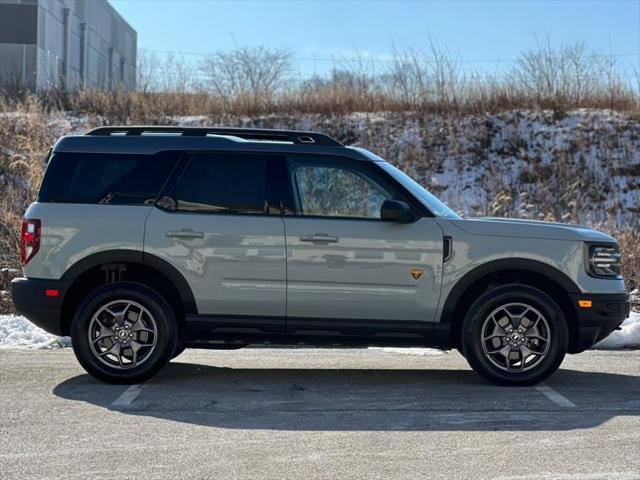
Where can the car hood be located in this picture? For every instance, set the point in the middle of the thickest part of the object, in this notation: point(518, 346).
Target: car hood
point(512, 227)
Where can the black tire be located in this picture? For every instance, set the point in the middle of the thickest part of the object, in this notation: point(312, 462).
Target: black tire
point(158, 355)
point(488, 366)
point(180, 348)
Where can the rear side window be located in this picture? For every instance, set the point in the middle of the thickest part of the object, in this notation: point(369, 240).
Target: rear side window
point(105, 178)
point(222, 182)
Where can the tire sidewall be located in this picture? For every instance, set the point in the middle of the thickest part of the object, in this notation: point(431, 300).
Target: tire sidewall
point(147, 297)
point(494, 298)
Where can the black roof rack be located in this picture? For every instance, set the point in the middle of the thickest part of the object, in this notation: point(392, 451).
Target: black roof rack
point(290, 136)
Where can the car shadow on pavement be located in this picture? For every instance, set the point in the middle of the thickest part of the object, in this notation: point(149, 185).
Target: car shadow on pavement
point(363, 399)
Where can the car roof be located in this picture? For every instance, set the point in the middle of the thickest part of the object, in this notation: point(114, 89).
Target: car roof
point(154, 139)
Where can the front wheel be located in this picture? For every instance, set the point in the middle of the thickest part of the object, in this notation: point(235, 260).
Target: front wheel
point(124, 332)
point(515, 335)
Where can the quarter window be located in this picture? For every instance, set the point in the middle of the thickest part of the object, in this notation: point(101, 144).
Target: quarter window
point(105, 178)
point(331, 190)
point(231, 183)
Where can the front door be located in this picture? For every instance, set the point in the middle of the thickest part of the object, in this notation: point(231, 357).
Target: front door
point(344, 264)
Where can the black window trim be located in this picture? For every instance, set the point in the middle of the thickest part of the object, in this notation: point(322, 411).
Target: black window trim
point(270, 194)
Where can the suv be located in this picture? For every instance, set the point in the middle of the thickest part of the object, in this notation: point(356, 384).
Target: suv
point(146, 240)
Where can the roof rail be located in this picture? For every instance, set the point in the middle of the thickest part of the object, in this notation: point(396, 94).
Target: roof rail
point(292, 136)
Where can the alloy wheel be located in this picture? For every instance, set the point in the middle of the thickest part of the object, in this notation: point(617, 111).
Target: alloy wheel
point(515, 337)
point(123, 334)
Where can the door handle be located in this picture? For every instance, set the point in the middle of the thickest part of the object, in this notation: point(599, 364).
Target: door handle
point(319, 238)
point(184, 233)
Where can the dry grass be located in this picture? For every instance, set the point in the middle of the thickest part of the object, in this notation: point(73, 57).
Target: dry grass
point(24, 141)
point(323, 98)
point(260, 81)
point(630, 248)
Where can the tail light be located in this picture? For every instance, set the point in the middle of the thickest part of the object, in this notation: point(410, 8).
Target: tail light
point(30, 242)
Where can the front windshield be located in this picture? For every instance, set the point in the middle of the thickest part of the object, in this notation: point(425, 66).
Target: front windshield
point(436, 207)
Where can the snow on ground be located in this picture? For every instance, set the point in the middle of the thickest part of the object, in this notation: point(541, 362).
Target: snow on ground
point(409, 351)
point(627, 337)
point(17, 332)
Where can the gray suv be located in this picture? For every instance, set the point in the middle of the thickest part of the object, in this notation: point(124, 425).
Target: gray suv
point(144, 241)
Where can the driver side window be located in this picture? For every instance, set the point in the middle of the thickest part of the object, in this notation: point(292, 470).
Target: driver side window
point(333, 190)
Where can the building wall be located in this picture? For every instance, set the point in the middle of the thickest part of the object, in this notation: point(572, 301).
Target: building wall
point(18, 38)
point(79, 43)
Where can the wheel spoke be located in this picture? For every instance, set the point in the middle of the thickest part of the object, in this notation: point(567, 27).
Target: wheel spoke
point(508, 359)
point(504, 351)
point(525, 353)
point(118, 354)
point(126, 312)
point(117, 316)
point(536, 352)
point(135, 345)
point(111, 350)
point(104, 332)
point(534, 332)
point(102, 325)
point(520, 317)
point(498, 332)
point(139, 326)
point(494, 335)
point(535, 322)
point(507, 318)
point(102, 337)
point(134, 356)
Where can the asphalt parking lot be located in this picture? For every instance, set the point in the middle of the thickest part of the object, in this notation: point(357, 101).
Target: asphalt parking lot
point(311, 413)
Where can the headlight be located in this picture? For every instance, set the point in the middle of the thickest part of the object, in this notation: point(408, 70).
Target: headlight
point(604, 261)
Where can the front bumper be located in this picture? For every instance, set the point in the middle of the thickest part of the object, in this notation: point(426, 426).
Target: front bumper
point(31, 300)
point(606, 313)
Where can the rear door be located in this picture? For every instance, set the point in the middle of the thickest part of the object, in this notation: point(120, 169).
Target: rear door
point(216, 224)
point(346, 266)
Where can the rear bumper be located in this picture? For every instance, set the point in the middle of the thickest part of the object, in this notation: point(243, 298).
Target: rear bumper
point(31, 300)
point(606, 313)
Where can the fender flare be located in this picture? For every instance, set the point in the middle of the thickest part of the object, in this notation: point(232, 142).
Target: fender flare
point(501, 265)
point(142, 258)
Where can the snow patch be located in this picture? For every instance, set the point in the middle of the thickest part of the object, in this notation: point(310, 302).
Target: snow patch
point(18, 332)
point(409, 351)
point(627, 337)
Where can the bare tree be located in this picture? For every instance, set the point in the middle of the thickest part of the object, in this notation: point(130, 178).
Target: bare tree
point(569, 73)
point(407, 76)
point(256, 73)
point(176, 73)
point(147, 71)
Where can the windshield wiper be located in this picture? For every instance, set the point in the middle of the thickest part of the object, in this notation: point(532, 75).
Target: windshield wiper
point(111, 195)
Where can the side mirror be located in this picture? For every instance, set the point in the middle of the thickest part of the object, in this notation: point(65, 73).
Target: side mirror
point(396, 211)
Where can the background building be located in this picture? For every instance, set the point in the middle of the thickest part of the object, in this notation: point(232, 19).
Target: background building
point(65, 44)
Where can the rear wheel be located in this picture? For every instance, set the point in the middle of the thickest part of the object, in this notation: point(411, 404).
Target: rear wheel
point(180, 348)
point(124, 333)
point(515, 335)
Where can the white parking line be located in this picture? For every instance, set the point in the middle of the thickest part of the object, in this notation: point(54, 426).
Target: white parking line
point(129, 395)
point(554, 396)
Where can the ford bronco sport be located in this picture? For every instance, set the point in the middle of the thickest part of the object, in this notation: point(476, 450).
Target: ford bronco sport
point(146, 240)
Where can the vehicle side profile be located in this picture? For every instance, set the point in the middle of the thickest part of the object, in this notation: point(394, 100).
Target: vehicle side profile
point(144, 241)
